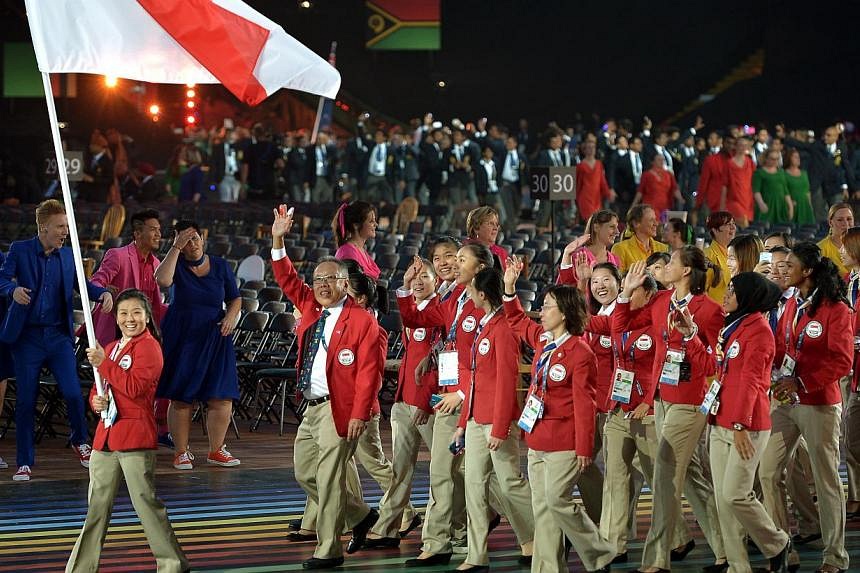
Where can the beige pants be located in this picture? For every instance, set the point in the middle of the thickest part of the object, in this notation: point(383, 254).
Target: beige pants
point(627, 441)
point(852, 445)
point(107, 469)
point(591, 480)
point(552, 476)
point(800, 487)
point(407, 438)
point(677, 469)
point(820, 426)
point(320, 458)
point(739, 510)
point(481, 464)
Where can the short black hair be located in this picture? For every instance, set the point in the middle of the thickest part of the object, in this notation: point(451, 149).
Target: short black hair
point(139, 219)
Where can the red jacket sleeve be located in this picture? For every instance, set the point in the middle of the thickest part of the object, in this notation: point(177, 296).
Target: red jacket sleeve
point(411, 317)
point(293, 286)
point(567, 276)
point(584, 391)
point(524, 327)
point(625, 319)
point(142, 376)
point(700, 358)
point(507, 374)
point(817, 374)
point(598, 324)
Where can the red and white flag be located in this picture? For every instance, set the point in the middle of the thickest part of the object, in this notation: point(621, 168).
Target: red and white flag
point(177, 42)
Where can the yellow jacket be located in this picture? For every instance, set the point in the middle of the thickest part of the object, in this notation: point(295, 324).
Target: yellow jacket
point(631, 250)
point(719, 256)
point(831, 251)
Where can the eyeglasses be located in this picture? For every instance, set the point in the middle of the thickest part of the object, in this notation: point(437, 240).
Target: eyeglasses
point(327, 279)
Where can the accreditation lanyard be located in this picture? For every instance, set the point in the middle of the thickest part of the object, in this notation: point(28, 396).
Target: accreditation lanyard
point(461, 302)
point(474, 353)
point(792, 328)
point(624, 379)
point(854, 288)
point(723, 338)
point(542, 370)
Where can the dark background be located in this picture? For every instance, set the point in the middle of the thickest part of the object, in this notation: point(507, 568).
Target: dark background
point(546, 60)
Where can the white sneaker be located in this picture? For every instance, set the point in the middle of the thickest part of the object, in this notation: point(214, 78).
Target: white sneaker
point(23, 474)
point(3, 464)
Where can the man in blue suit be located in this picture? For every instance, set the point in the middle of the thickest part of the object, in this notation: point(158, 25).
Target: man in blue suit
point(37, 279)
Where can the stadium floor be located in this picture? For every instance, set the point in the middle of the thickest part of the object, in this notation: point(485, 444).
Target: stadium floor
point(235, 519)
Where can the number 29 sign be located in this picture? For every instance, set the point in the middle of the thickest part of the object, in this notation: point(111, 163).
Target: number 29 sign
point(553, 183)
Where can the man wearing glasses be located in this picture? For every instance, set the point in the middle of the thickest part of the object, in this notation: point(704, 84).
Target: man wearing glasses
point(337, 377)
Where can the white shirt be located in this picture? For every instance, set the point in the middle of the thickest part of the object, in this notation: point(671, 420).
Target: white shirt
point(320, 157)
point(231, 164)
point(666, 155)
point(511, 170)
point(490, 168)
point(636, 163)
point(377, 160)
point(832, 148)
point(319, 380)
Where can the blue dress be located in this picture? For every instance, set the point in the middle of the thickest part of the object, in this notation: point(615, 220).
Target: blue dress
point(7, 367)
point(199, 363)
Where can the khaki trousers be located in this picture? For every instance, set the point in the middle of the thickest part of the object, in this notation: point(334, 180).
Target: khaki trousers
point(407, 438)
point(740, 512)
point(820, 426)
point(852, 445)
point(445, 517)
point(627, 441)
point(481, 464)
point(591, 480)
point(677, 469)
point(552, 476)
point(107, 469)
point(800, 487)
point(320, 459)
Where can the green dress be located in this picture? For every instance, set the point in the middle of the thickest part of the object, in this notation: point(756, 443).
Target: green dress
point(773, 189)
point(798, 189)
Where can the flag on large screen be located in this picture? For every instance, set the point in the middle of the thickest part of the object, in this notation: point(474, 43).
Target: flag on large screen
point(403, 25)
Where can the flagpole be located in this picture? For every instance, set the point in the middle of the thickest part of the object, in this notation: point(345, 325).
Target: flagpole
point(73, 228)
point(316, 128)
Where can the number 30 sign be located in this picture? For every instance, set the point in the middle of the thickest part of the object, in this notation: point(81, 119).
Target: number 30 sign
point(553, 183)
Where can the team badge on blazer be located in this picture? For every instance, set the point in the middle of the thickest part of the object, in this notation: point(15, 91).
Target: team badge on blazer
point(644, 342)
point(557, 373)
point(605, 342)
point(345, 357)
point(419, 334)
point(125, 362)
point(484, 346)
point(469, 323)
point(734, 349)
point(814, 329)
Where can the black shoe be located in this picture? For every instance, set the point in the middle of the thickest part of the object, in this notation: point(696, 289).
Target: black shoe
point(314, 563)
point(794, 568)
point(382, 543)
point(620, 558)
point(294, 524)
point(437, 559)
point(779, 562)
point(567, 547)
point(604, 569)
point(494, 523)
point(416, 521)
point(298, 537)
point(359, 532)
point(472, 569)
point(804, 539)
point(525, 560)
point(680, 554)
point(716, 568)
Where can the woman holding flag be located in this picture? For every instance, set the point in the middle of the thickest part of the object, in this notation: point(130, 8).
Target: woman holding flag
point(558, 419)
point(740, 427)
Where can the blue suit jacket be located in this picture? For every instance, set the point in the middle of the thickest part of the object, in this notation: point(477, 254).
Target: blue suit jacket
point(20, 269)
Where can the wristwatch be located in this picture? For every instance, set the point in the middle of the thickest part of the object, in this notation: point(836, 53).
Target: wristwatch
point(738, 427)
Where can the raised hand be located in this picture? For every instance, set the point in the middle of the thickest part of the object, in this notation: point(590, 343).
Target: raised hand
point(512, 273)
point(583, 268)
point(182, 237)
point(573, 246)
point(412, 271)
point(283, 221)
point(634, 278)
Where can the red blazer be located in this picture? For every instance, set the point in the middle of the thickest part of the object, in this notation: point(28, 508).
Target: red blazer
point(417, 343)
point(133, 377)
point(635, 353)
point(739, 195)
point(707, 315)
point(383, 356)
point(601, 345)
point(711, 181)
point(569, 410)
point(855, 382)
point(492, 398)
point(591, 188)
point(823, 359)
point(352, 367)
point(658, 192)
point(442, 316)
point(745, 376)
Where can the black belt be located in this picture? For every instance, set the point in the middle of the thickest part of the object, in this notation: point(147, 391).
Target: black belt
point(318, 401)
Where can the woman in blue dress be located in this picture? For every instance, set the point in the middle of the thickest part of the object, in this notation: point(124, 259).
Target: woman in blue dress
point(199, 360)
point(7, 369)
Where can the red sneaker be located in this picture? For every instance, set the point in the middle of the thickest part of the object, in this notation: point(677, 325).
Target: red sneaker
point(83, 451)
point(222, 458)
point(183, 460)
point(23, 474)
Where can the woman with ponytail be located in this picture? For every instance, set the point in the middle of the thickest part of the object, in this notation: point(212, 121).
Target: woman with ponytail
point(814, 350)
point(601, 230)
point(687, 324)
point(353, 224)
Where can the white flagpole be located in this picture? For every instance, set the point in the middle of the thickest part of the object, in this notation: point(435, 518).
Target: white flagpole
point(73, 228)
point(316, 128)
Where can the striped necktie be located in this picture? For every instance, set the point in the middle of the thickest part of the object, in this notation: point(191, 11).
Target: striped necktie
point(308, 362)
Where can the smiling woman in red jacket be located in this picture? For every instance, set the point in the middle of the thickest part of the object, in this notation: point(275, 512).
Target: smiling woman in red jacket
point(126, 441)
point(814, 350)
point(687, 323)
point(559, 422)
point(739, 408)
point(488, 420)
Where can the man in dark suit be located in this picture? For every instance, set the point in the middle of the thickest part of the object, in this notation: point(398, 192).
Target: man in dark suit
point(688, 170)
point(381, 170)
point(625, 170)
point(38, 277)
point(322, 169)
point(406, 174)
point(554, 153)
point(461, 160)
point(98, 171)
point(512, 177)
point(432, 164)
point(224, 164)
point(355, 161)
point(297, 170)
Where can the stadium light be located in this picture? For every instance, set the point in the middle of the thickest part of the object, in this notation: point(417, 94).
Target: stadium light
point(111, 82)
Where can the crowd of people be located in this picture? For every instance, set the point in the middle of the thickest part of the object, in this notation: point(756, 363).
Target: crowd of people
point(694, 368)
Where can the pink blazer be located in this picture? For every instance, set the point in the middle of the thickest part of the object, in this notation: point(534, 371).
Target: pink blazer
point(120, 268)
